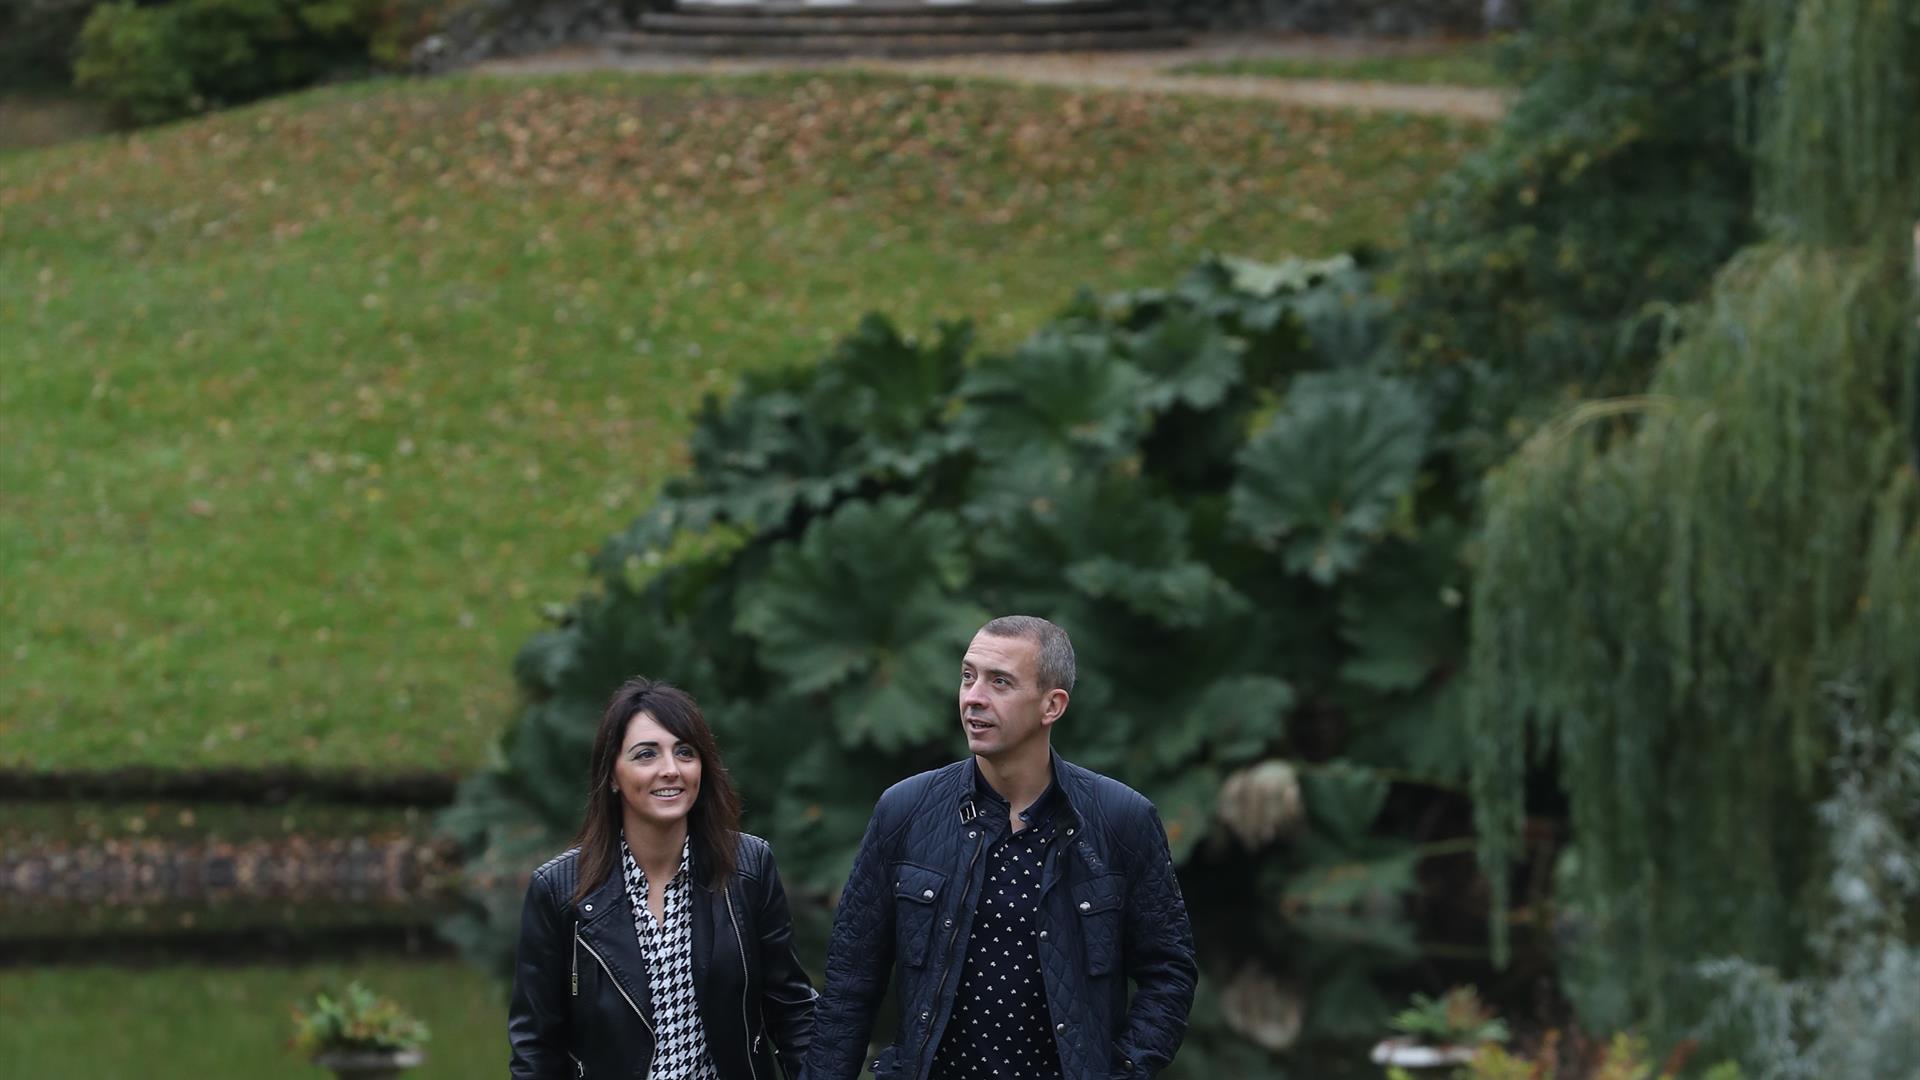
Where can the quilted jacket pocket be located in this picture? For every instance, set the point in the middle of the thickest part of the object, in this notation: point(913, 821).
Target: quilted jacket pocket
point(916, 899)
point(1098, 904)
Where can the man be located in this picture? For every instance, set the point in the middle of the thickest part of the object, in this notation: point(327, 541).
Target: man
point(1011, 896)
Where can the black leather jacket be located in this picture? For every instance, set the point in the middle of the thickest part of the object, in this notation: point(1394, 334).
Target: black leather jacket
point(581, 1006)
point(1110, 911)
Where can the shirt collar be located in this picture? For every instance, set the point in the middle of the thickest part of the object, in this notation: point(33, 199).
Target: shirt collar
point(634, 871)
point(1038, 811)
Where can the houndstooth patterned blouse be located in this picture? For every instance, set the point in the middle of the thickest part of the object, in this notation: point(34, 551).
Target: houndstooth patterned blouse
point(680, 1052)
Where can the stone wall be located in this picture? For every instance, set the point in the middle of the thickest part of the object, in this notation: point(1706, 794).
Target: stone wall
point(1383, 18)
point(488, 28)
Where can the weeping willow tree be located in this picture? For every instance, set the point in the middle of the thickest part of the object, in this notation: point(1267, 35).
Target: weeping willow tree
point(1674, 589)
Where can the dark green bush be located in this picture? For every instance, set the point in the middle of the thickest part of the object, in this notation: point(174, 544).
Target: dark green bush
point(1615, 186)
point(167, 60)
point(1214, 487)
point(37, 40)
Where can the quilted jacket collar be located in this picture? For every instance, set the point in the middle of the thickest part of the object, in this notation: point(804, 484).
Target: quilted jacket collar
point(971, 793)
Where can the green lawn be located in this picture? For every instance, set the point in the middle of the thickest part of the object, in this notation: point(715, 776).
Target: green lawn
point(234, 1023)
point(1458, 64)
point(308, 408)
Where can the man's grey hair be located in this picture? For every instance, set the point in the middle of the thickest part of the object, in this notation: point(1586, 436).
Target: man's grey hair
point(1056, 671)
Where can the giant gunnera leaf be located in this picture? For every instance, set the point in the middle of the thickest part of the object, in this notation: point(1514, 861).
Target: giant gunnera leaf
point(1063, 402)
point(1320, 483)
point(862, 615)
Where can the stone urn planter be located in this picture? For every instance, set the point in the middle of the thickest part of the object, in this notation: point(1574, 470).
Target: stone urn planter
point(1404, 1052)
point(368, 1064)
point(1440, 1034)
point(358, 1035)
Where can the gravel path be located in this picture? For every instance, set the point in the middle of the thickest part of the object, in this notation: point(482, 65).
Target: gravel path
point(1144, 72)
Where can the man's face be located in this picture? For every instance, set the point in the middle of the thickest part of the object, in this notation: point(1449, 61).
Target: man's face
point(1002, 705)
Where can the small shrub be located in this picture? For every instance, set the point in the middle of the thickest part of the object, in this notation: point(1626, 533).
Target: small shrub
point(357, 1021)
point(163, 61)
point(1456, 1018)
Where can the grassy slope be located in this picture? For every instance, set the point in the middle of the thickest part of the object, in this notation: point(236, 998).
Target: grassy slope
point(308, 407)
point(233, 1023)
point(1462, 64)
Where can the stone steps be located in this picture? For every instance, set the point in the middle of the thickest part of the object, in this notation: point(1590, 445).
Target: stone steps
point(901, 46)
point(935, 22)
point(896, 30)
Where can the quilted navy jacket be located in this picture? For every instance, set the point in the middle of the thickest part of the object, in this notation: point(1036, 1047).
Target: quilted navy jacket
point(1110, 911)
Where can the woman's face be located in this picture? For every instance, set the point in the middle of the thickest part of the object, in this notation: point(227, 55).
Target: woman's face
point(657, 774)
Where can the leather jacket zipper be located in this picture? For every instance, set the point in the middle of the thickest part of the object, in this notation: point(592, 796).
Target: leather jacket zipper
point(939, 991)
point(616, 983)
point(745, 980)
point(574, 968)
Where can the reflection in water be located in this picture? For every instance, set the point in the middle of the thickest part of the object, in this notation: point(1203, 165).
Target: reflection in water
point(1277, 999)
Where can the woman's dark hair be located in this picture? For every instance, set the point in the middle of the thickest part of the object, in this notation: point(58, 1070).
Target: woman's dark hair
point(715, 817)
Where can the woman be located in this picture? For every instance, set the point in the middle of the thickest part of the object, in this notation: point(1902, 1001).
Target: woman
point(660, 945)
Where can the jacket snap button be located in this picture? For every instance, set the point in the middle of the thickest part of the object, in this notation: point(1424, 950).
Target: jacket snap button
point(928, 893)
point(1060, 1027)
point(589, 907)
point(1043, 935)
point(1069, 832)
point(973, 834)
point(949, 923)
point(1085, 906)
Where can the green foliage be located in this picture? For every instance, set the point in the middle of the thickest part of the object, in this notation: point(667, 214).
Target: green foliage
point(358, 1020)
point(1672, 584)
point(1623, 1057)
point(1456, 1018)
point(1661, 605)
point(1835, 119)
point(1617, 184)
point(37, 39)
point(1322, 481)
point(131, 56)
point(1129, 471)
point(162, 61)
point(1859, 1015)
